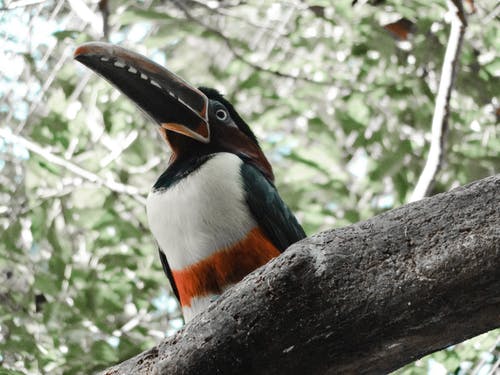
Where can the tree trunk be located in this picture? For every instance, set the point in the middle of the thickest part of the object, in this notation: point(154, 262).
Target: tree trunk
point(365, 299)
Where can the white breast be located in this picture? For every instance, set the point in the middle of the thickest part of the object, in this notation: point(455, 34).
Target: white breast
point(201, 213)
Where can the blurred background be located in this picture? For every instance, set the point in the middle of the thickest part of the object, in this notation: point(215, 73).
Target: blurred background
point(341, 96)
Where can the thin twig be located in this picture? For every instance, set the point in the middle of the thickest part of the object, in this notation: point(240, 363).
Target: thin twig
point(492, 15)
point(87, 15)
point(442, 108)
point(220, 11)
point(118, 150)
point(237, 54)
point(480, 365)
point(495, 367)
point(104, 8)
point(57, 160)
point(21, 4)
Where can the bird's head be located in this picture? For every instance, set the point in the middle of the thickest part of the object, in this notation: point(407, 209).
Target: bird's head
point(194, 121)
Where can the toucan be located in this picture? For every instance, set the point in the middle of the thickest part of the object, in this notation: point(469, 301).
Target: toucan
point(215, 212)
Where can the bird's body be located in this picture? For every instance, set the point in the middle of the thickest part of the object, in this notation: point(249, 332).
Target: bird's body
point(215, 212)
point(205, 229)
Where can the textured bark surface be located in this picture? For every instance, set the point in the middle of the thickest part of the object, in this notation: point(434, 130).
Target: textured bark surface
point(365, 299)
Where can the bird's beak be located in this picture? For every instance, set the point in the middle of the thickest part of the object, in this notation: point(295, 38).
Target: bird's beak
point(170, 101)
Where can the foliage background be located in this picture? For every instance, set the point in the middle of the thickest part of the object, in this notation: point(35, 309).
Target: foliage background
point(341, 105)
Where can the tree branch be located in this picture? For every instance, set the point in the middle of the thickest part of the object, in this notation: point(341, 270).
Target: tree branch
point(66, 164)
point(365, 299)
point(227, 41)
point(442, 107)
point(104, 9)
point(20, 4)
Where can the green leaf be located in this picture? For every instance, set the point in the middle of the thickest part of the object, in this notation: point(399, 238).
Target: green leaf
point(46, 283)
point(494, 67)
point(357, 109)
point(132, 15)
point(63, 34)
point(102, 352)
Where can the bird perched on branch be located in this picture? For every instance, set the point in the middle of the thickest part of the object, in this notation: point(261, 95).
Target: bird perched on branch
point(215, 212)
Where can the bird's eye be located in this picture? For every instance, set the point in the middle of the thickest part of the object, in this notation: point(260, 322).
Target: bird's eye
point(221, 115)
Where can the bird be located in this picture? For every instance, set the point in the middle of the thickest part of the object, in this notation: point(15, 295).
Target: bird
point(215, 212)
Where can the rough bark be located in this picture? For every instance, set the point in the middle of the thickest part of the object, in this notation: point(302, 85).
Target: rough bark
point(365, 299)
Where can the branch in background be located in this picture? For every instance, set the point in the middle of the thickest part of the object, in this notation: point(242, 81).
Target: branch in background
point(238, 55)
point(442, 108)
point(118, 149)
point(222, 12)
point(57, 160)
point(365, 299)
point(87, 15)
point(104, 8)
point(492, 15)
point(20, 4)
